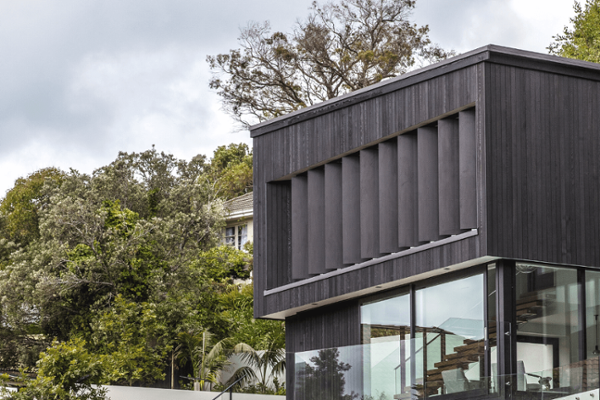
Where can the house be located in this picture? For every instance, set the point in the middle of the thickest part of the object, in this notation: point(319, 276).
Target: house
point(239, 221)
point(437, 235)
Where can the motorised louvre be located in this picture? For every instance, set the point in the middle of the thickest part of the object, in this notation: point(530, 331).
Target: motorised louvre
point(388, 196)
point(299, 227)
point(448, 172)
point(467, 169)
point(369, 203)
point(408, 209)
point(351, 209)
point(316, 221)
point(333, 216)
point(427, 160)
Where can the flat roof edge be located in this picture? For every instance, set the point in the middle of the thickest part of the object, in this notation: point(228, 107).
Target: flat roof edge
point(490, 53)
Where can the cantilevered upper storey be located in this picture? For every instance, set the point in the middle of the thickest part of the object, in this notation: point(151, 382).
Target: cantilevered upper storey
point(491, 154)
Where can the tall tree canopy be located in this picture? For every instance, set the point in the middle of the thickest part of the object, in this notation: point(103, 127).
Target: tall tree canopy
point(102, 276)
point(341, 47)
point(582, 40)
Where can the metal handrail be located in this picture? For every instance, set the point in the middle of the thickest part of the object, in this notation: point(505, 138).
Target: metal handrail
point(228, 388)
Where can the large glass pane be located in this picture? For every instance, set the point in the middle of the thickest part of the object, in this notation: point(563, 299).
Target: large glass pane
point(492, 328)
point(590, 378)
point(547, 327)
point(450, 323)
point(386, 328)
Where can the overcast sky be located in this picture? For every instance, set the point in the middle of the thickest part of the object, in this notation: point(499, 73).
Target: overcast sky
point(82, 80)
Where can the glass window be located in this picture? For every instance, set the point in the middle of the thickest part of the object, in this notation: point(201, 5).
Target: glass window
point(236, 236)
point(547, 326)
point(450, 336)
point(386, 330)
point(230, 236)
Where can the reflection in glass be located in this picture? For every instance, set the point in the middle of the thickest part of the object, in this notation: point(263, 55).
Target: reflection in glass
point(492, 329)
point(386, 327)
point(592, 314)
point(450, 326)
point(547, 327)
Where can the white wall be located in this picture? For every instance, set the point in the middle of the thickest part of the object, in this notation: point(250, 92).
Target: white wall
point(134, 393)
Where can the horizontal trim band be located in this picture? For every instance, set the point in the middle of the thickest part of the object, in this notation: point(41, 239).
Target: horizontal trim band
point(412, 250)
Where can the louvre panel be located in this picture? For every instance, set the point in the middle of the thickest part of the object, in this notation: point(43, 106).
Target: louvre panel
point(408, 211)
point(467, 169)
point(333, 216)
point(278, 232)
point(369, 203)
point(351, 209)
point(415, 188)
point(427, 173)
point(316, 221)
point(448, 170)
point(299, 227)
point(388, 196)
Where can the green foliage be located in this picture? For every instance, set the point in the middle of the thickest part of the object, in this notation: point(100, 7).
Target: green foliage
point(19, 210)
point(205, 354)
point(66, 371)
point(231, 170)
point(582, 40)
point(118, 272)
point(224, 263)
point(132, 341)
point(236, 307)
point(342, 46)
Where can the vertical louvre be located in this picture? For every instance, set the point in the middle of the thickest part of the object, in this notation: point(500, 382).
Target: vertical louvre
point(427, 160)
point(316, 221)
point(413, 189)
point(278, 232)
point(467, 169)
point(388, 197)
point(369, 203)
point(333, 216)
point(408, 235)
point(299, 227)
point(351, 209)
point(448, 170)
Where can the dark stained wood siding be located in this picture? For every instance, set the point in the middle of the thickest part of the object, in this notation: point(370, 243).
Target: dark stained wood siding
point(533, 193)
point(312, 330)
point(298, 147)
point(543, 146)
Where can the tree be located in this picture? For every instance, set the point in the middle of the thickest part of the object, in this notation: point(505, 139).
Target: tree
point(19, 209)
point(582, 41)
point(131, 341)
point(207, 356)
point(341, 47)
point(231, 170)
point(133, 228)
point(66, 371)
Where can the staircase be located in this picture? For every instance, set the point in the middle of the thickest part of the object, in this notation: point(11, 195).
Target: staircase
point(472, 351)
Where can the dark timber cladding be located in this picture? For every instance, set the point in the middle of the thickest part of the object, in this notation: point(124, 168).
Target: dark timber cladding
point(498, 140)
point(543, 149)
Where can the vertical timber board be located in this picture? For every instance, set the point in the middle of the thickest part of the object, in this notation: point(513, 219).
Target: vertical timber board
point(448, 172)
point(467, 159)
point(316, 221)
point(369, 203)
point(299, 227)
point(333, 216)
point(388, 196)
point(351, 209)
point(259, 229)
point(427, 173)
point(408, 235)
